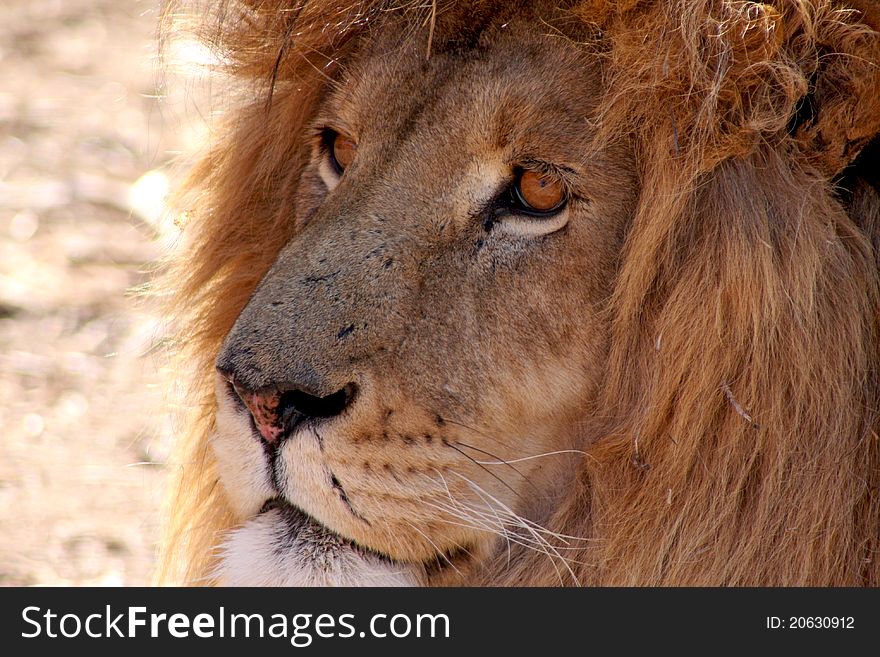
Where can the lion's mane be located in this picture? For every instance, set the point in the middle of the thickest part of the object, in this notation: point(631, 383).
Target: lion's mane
point(737, 438)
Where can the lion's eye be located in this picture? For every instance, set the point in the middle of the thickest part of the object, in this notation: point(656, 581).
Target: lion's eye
point(339, 151)
point(539, 193)
point(535, 204)
point(343, 151)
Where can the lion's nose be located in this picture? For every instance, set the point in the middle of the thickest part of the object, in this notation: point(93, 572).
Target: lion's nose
point(278, 412)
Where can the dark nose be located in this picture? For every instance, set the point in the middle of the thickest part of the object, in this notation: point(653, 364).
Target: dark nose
point(277, 412)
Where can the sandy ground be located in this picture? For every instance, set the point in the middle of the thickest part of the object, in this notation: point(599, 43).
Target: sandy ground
point(86, 134)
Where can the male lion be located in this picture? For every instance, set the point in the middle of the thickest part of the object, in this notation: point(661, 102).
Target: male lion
point(535, 293)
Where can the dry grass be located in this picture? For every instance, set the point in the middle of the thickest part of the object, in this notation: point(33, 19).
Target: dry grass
point(84, 431)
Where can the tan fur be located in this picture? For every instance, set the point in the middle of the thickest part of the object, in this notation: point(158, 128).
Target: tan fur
point(725, 354)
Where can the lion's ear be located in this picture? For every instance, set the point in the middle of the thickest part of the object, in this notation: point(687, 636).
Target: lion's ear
point(840, 114)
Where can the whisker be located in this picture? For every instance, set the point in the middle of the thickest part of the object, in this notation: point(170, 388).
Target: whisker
point(471, 512)
point(472, 429)
point(475, 519)
point(565, 538)
point(520, 519)
point(538, 456)
point(483, 467)
point(495, 456)
point(457, 511)
point(500, 531)
point(562, 537)
point(513, 518)
point(439, 552)
point(480, 491)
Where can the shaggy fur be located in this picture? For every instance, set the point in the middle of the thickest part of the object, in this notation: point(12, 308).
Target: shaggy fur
point(733, 439)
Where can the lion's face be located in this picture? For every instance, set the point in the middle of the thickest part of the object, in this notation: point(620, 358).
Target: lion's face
point(413, 369)
point(588, 295)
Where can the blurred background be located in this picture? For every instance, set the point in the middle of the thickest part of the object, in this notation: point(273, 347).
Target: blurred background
point(88, 131)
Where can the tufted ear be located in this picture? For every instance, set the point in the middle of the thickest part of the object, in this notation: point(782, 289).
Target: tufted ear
point(840, 114)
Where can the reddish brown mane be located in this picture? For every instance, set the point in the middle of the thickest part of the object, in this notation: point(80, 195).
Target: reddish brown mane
point(739, 421)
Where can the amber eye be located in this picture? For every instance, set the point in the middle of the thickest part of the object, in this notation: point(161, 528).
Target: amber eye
point(342, 150)
point(539, 193)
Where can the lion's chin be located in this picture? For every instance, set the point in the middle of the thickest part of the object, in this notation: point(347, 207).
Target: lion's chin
point(282, 546)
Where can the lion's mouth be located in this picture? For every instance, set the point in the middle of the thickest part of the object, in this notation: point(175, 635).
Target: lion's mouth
point(304, 528)
point(284, 546)
point(313, 537)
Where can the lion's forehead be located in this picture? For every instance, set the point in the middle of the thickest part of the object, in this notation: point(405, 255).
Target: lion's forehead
point(524, 85)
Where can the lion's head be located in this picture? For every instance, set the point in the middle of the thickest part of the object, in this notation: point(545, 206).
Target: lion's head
point(536, 293)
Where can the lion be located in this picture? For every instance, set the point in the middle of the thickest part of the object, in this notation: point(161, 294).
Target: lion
point(532, 293)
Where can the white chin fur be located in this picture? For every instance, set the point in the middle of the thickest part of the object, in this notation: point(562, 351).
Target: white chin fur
point(283, 547)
